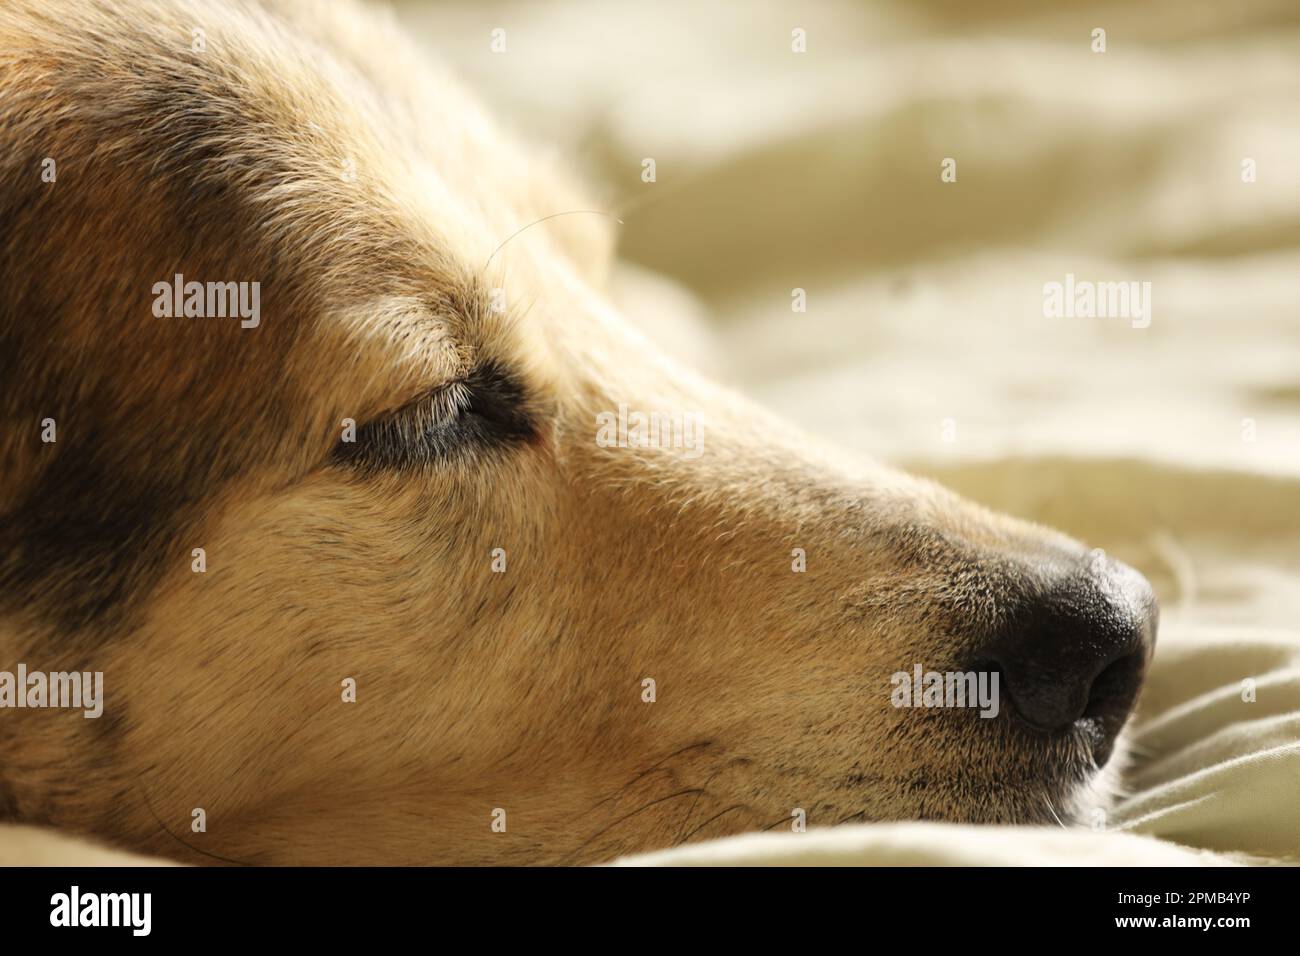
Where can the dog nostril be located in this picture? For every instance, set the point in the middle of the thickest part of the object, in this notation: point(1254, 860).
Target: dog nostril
point(1114, 687)
point(1077, 650)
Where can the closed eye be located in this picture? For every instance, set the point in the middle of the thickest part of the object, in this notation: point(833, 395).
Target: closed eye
point(485, 411)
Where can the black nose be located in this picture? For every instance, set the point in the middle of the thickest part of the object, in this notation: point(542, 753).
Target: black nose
point(1075, 649)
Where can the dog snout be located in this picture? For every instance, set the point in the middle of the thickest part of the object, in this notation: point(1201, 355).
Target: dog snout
point(1076, 648)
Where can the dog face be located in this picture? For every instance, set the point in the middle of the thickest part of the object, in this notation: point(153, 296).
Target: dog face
point(438, 615)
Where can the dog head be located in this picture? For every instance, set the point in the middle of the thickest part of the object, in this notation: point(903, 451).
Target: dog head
point(393, 540)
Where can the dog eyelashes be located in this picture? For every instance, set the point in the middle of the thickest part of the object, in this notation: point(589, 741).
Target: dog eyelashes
point(486, 411)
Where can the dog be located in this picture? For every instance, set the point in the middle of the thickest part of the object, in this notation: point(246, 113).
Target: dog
point(392, 542)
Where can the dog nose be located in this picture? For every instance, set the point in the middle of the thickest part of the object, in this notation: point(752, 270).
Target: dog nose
point(1077, 650)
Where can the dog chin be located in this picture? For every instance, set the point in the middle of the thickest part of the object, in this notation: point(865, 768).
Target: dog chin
point(1075, 793)
point(1091, 804)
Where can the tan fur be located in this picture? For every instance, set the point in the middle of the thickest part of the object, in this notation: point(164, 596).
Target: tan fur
point(476, 690)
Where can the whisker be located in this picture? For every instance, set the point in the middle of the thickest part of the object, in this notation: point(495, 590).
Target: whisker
point(554, 215)
point(167, 830)
point(700, 796)
point(653, 803)
point(657, 766)
point(737, 806)
point(1052, 810)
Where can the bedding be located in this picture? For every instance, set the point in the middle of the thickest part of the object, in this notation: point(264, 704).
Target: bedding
point(1171, 439)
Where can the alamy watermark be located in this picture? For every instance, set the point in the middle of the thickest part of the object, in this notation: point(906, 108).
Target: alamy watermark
point(130, 910)
point(83, 690)
point(209, 300)
point(1098, 300)
point(683, 431)
point(922, 688)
